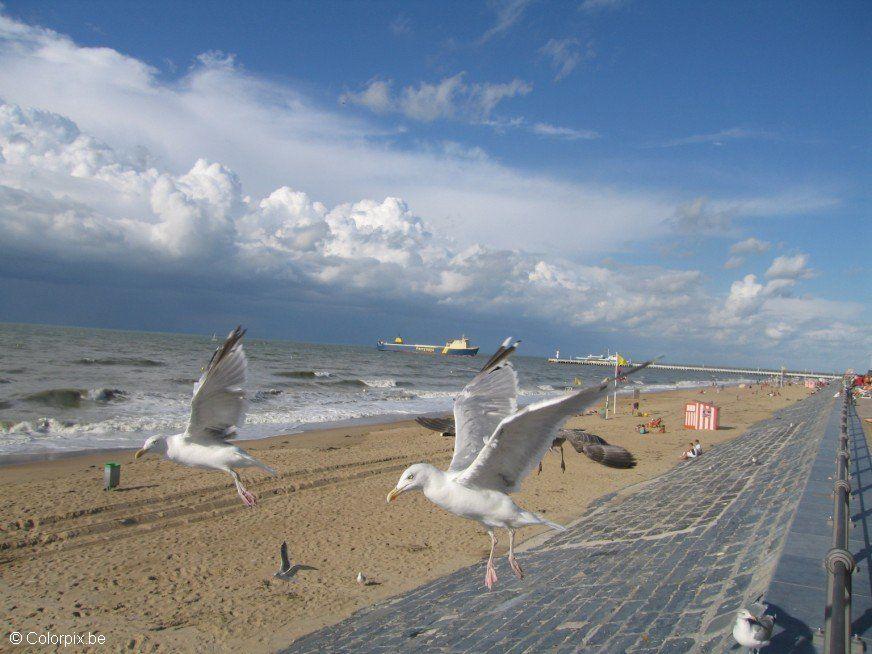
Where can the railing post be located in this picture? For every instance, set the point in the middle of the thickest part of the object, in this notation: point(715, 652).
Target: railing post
point(839, 562)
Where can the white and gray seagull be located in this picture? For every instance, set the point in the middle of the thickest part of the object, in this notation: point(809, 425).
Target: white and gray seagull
point(217, 409)
point(495, 447)
point(753, 631)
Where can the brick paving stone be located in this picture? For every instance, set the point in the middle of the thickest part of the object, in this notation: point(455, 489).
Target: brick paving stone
point(620, 579)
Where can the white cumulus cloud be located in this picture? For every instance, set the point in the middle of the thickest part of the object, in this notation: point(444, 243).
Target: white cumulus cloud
point(750, 246)
point(790, 267)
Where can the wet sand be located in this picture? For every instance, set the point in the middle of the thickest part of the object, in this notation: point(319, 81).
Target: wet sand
point(172, 560)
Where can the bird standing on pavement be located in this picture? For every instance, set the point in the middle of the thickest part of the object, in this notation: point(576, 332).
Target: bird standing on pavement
point(496, 446)
point(751, 631)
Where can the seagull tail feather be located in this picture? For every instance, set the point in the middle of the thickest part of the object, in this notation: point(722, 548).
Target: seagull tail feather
point(531, 518)
point(257, 464)
point(553, 525)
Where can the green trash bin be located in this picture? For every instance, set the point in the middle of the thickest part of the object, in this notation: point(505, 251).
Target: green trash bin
point(111, 475)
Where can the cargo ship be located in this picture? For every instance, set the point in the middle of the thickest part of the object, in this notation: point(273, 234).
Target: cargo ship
point(457, 346)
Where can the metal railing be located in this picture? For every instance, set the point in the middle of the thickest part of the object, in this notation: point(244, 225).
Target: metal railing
point(839, 562)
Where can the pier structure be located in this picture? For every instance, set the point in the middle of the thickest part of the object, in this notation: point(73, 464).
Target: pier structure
point(760, 372)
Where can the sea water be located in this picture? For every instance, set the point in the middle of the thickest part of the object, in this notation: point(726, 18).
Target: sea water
point(68, 389)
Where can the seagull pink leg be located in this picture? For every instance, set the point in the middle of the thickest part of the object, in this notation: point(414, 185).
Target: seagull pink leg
point(249, 499)
point(513, 562)
point(490, 577)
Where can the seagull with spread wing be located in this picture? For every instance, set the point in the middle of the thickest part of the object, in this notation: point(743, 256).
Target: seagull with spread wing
point(495, 447)
point(217, 409)
point(592, 446)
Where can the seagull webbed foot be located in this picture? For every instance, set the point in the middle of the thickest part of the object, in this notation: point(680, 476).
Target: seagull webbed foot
point(516, 567)
point(248, 499)
point(490, 577)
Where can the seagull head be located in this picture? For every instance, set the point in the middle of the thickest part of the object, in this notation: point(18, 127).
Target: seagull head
point(157, 444)
point(413, 478)
point(745, 614)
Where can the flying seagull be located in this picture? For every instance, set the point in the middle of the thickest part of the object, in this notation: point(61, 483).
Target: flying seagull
point(751, 631)
point(592, 446)
point(496, 446)
point(217, 409)
point(445, 425)
point(556, 444)
point(596, 448)
point(288, 571)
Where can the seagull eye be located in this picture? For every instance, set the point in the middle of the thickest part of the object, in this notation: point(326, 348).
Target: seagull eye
point(410, 476)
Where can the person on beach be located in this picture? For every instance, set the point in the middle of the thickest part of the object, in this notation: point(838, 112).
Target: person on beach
point(697, 447)
point(689, 453)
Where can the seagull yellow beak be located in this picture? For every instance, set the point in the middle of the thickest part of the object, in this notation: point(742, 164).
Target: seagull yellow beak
point(139, 453)
point(393, 494)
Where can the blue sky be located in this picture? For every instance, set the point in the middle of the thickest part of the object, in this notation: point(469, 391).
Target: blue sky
point(578, 172)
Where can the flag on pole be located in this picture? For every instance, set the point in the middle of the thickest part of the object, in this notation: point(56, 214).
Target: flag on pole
point(619, 361)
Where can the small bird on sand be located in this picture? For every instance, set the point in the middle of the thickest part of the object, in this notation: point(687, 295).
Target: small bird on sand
point(752, 631)
point(361, 579)
point(496, 446)
point(288, 571)
point(217, 409)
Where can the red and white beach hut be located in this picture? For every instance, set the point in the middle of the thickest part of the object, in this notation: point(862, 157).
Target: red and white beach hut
point(700, 415)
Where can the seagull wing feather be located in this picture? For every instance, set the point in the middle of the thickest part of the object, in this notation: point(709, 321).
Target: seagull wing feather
point(444, 425)
point(218, 406)
point(286, 561)
point(483, 403)
point(522, 439)
point(578, 438)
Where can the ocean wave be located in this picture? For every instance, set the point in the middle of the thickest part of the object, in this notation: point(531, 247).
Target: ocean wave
point(37, 426)
point(437, 395)
point(108, 394)
point(685, 384)
point(354, 383)
point(119, 361)
point(61, 398)
point(72, 398)
point(97, 431)
point(302, 374)
point(263, 395)
point(382, 383)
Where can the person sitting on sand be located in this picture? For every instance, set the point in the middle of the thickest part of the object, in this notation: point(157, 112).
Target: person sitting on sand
point(689, 453)
point(697, 447)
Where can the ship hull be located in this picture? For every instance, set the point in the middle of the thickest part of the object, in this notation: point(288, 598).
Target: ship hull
point(426, 349)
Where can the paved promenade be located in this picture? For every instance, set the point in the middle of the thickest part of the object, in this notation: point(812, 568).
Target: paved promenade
point(661, 567)
point(798, 588)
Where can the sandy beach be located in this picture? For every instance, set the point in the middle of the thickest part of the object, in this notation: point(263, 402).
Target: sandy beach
point(172, 560)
